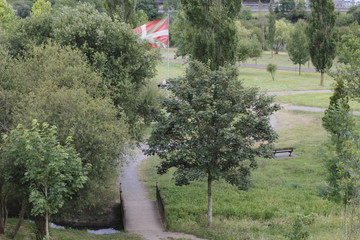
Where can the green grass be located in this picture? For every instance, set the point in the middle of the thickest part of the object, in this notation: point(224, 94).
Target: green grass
point(282, 189)
point(284, 80)
point(27, 233)
point(312, 100)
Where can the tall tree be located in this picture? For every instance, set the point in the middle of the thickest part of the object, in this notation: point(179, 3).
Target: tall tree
point(322, 36)
point(271, 27)
point(298, 47)
point(213, 128)
point(210, 31)
point(123, 10)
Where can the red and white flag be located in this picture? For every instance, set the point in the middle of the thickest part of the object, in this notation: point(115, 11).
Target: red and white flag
point(156, 32)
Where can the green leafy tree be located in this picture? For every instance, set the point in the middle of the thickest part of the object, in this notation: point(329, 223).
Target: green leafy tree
point(172, 5)
point(298, 47)
point(212, 128)
point(271, 68)
point(40, 7)
point(355, 11)
point(322, 36)
point(271, 27)
point(209, 31)
point(245, 13)
point(249, 46)
point(123, 10)
point(125, 63)
point(349, 71)
point(7, 16)
point(282, 34)
point(150, 7)
point(67, 93)
point(53, 171)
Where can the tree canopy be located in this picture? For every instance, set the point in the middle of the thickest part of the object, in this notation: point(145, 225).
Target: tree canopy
point(298, 47)
point(125, 63)
point(209, 31)
point(322, 36)
point(212, 128)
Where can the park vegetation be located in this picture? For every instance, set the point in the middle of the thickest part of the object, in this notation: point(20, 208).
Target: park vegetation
point(76, 80)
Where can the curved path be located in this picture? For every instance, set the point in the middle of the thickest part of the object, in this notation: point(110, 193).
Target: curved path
point(141, 214)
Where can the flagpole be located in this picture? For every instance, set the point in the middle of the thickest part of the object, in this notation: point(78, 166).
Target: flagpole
point(168, 46)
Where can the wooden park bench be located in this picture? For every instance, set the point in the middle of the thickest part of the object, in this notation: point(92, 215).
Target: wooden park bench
point(283, 150)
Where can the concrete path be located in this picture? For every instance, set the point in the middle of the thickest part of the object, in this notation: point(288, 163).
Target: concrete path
point(141, 213)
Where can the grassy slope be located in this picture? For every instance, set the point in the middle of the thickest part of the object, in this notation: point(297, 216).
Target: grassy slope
point(26, 233)
point(281, 189)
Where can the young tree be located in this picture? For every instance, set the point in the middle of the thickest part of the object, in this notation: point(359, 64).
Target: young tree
point(298, 47)
point(213, 128)
point(322, 35)
point(271, 27)
point(209, 31)
point(282, 34)
point(271, 68)
point(53, 172)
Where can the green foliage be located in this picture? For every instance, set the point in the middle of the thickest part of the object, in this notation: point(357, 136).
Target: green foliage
point(208, 33)
point(40, 7)
point(7, 16)
point(249, 46)
point(355, 11)
point(344, 19)
point(298, 47)
point(349, 55)
point(211, 127)
point(122, 10)
point(48, 165)
point(150, 8)
point(124, 62)
point(282, 34)
point(50, 172)
point(67, 93)
point(321, 34)
point(271, 26)
point(271, 68)
point(245, 13)
point(298, 232)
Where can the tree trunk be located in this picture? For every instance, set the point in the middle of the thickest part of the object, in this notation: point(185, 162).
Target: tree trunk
point(299, 69)
point(47, 234)
point(20, 220)
point(47, 218)
point(2, 214)
point(209, 200)
point(40, 228)
point(322, 78)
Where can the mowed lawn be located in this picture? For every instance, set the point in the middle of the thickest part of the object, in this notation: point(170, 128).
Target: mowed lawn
point(313, 100)
point(281, 190)
point(256, 77)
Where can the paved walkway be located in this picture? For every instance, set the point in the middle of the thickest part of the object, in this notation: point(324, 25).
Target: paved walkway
point(141, 213)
